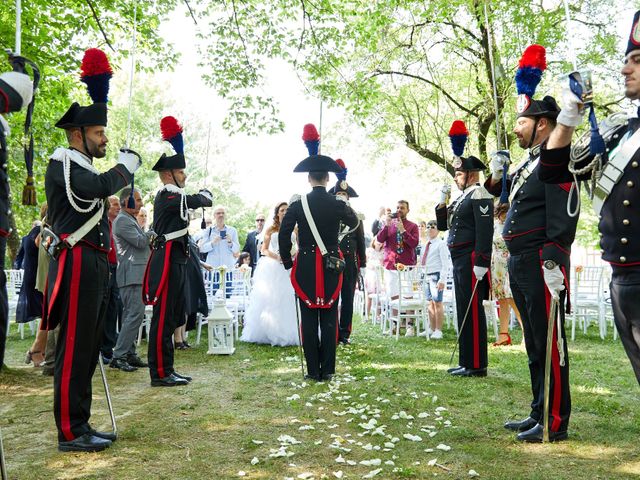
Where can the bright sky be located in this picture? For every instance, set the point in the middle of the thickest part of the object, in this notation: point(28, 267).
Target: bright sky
point(263, 165)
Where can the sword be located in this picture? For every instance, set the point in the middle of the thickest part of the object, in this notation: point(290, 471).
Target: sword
point(464, 320)
point(547, 366)
point(298, 320)
point(106, 392)
point(3, 465)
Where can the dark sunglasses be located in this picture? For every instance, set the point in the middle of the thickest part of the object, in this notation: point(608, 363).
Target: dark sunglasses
point(429, 227)
point(259, 219)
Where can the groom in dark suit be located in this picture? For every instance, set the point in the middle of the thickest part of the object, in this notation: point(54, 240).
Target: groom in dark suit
point(317, 287)
point(251, 245)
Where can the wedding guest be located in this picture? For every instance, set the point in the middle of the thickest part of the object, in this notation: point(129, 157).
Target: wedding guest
point(220, 241)
point(143, 219)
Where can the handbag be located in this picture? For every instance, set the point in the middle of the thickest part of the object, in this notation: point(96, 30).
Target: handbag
point(334, 264)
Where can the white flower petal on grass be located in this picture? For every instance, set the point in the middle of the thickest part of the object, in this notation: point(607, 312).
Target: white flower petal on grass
point(372, 473)
point(434, 399)
point(389, 462)
point(368, 446)
point(432, 434)
point(395, 416)
point(339, 459)
point(295, 396)
point(295, 420)
point(441, 409)
point(404, 415)
point(306, 427)
point(395, 439)
point(257, 442)
point(389, 445)
point(443, 447)
point(413, 438)
point(308, 404)
point(338, 474)
point(473, 473)
point(432, 462)
point(254, 461)
point(423, 415)
point(447, 423)
point(305, 475)
point(371, 463)
point(320, 420)
point(352, 462)
point(288, 440)
point(317, 442)
point(242, 473)
point(428, 450)
point(332, 426)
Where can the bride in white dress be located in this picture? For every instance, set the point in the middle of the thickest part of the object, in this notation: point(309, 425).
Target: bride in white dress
point(271, 314)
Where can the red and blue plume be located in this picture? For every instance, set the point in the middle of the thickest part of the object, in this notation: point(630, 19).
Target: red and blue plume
point(172, 133)
point(311, 138)
point(342, 175)
point(458, 135)
point(96, 72)
point(530, 68)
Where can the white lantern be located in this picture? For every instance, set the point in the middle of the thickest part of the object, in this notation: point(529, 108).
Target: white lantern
point(220, 326)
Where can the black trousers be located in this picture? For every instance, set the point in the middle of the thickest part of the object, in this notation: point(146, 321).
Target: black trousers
point(114, 314)
point(533, 301)
point(80, 307)
point(4, 303)
point(473, 336)
point(349, 279)
point(625, 291)
point(320, 352)
point(168, 313)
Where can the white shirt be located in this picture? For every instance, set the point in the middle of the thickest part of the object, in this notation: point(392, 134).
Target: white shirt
point(437, 256)
point(222, 252)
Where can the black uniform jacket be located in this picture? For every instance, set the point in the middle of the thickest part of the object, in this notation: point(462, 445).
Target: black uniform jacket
point(352, 247)
point(316, 286)
point(620, 216)
point(64, 220)
point(470, 225)
point(5, 229)
point(167, 207)
point(538, 218)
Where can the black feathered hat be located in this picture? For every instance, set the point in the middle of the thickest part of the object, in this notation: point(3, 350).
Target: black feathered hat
point(96, 73)
point(634, 36)
point(172, 133)
point(315, 162)
point(468, 164)
point(342, 185)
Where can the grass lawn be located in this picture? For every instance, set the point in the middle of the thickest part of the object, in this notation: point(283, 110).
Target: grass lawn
point(239, 406)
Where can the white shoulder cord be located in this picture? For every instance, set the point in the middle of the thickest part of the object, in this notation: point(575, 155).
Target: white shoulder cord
point(184, 211)
point(66, 168)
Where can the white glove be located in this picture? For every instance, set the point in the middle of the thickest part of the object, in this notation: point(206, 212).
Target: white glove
point(554, 279)
point(342, 198)
point(572, 106)
point(129, 159)
point(206, 194)
point(480, 272)
point(499, 160)
point(445, 193)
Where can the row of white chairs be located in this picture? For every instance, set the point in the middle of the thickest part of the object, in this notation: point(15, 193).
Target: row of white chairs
point(589, 295)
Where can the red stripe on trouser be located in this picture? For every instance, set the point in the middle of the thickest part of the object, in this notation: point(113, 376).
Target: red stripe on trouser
point(474, 317)
point(319, 277)
point(67, 365)
point(160, 334)
point(555, 367)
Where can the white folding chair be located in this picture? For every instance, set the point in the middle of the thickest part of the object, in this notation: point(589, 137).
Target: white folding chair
point(588, 299)
point(411, 302)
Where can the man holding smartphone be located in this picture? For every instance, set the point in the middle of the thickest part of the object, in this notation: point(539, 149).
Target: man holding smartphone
point(400, 238)
point(220, 241)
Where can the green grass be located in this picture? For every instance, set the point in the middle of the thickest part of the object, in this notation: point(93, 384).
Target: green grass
point(206, 430)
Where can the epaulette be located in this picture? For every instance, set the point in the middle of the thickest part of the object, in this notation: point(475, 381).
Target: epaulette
point(481, 193)
point(294, 198)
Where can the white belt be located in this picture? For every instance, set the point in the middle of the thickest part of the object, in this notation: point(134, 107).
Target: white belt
point(176, 234)
point(614, 170)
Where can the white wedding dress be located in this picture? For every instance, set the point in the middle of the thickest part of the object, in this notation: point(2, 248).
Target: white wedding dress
point(271, 314)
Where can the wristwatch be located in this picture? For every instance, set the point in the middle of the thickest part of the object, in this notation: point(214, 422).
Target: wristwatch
point(550, 264)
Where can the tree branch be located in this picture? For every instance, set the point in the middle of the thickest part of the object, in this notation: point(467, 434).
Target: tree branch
point(377, 73)
point(95, 16)
point(191, 11)
point(244, 44)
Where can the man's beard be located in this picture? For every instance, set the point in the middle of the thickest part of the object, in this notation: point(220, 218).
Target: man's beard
point(96, 152)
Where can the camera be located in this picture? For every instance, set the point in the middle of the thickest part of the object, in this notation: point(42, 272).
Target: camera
point(394, 215)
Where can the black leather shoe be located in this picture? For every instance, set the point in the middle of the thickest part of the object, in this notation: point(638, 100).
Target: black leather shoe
point(327, 377)
point(315, 378)
point(105, 435)
point(453, 369)
point(534, 435)
point(522, 425)
point(344, 341)
point(170, 381)
point(84, 443)
point(470, 372)
point(136, 361)
point(122, 364)
point(184, 377)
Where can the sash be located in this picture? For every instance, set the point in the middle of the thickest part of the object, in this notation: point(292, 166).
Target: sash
point(522, 178)
point(614, 170)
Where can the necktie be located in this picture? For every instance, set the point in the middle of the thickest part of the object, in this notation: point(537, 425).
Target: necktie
point(426, 252)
